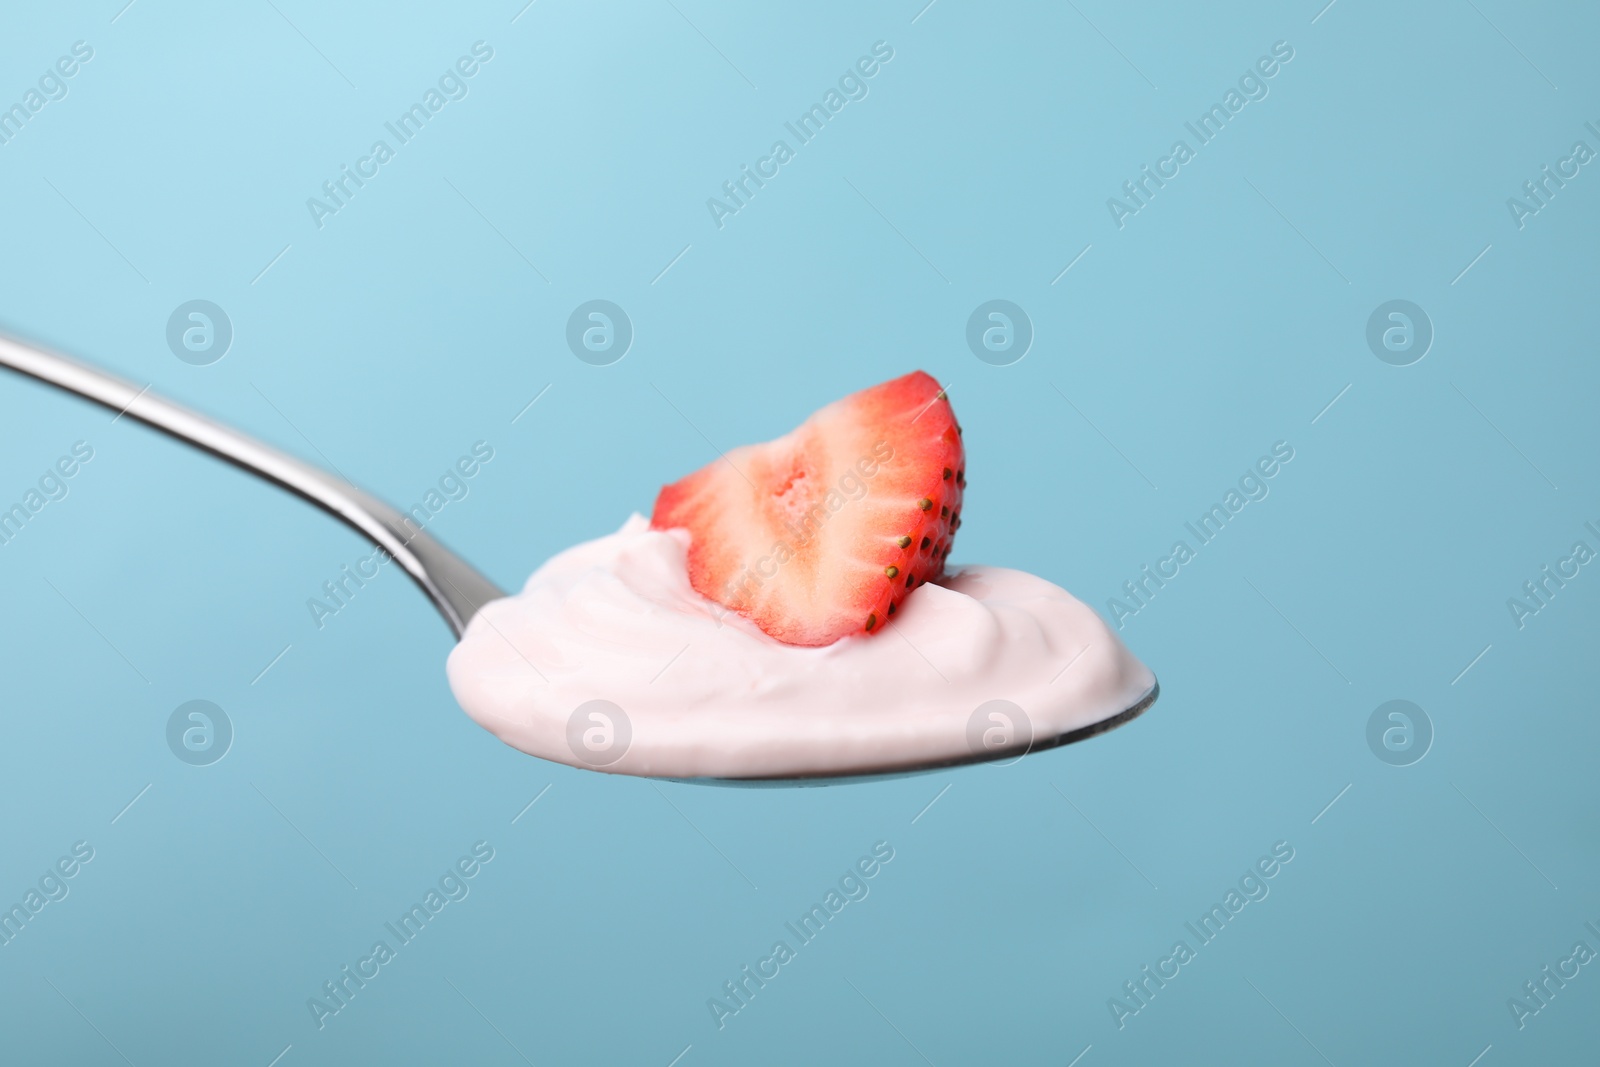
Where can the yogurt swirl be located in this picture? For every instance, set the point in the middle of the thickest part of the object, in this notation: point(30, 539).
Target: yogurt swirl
point(609, 660)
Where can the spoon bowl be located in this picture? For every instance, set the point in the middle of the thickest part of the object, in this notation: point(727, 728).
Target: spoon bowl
point(1041, 745)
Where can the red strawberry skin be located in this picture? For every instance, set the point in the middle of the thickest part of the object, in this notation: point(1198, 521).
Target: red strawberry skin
point(824, 532)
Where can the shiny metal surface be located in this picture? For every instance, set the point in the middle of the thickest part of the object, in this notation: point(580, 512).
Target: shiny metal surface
point(456, 588)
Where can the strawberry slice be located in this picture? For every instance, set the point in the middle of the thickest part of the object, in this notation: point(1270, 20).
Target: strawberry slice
point(824, 532)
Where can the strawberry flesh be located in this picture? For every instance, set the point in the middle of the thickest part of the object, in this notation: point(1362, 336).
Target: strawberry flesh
point(824, 533)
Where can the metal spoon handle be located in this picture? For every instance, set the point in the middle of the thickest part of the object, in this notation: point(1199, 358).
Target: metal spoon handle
point(456, 588)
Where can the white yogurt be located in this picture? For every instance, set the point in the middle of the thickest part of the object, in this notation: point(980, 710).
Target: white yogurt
point(688, 689)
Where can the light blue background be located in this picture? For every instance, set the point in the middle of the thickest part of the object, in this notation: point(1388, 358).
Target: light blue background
point(1221, 319)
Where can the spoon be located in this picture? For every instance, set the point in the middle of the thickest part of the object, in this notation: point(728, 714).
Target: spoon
point(458, 589)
